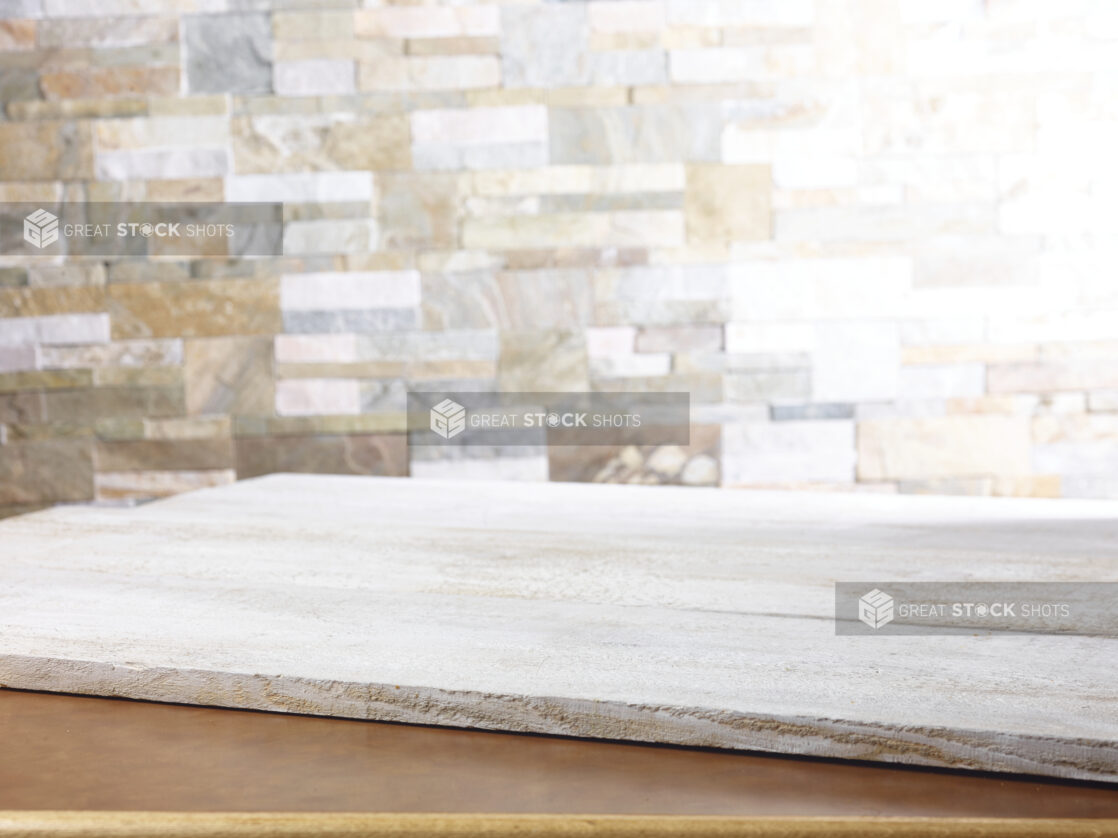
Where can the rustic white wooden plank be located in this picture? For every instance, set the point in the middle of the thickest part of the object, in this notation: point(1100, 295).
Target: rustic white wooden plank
point(686, 616)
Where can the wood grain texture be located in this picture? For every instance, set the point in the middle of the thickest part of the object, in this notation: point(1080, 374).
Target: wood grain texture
point(270, 825)
point(681, 616)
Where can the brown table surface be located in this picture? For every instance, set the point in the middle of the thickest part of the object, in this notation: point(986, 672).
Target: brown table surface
point(70, 752)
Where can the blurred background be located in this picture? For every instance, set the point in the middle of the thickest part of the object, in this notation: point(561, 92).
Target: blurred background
point(873, 239)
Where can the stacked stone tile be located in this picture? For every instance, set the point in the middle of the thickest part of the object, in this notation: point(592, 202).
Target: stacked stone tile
point(874, 239)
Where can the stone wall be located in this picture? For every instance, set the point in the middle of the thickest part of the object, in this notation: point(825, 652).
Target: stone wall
point(874, 239)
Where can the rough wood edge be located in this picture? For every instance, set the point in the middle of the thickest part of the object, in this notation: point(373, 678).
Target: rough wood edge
point(69, 824)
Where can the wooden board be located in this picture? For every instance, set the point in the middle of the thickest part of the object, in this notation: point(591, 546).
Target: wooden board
point(684, 616)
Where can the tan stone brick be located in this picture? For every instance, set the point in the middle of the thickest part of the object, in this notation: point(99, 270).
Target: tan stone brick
point(312, 25)
point(137, 377)
point(601, 41)
point(30, 302)
point(265, 144)
point(17, 35)
point(203, 308)
point(76, 108)
point(419, 210)
point(12, 382)
point(229, 375)
point(45, 151)
point(379, 454)
point(192, 427)
point(453, 46)
point(1035, 486)
point(215, 105)
point(50, 471)
point(949, 446)
point(186, 190)
point(728, 203)
point(110, 81)
point(163, 454)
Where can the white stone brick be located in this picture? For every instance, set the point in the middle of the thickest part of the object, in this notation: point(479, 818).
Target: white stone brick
point(787, 452)
point(338, 291)
point(671, 282)
point(300, 187)
point(948, 446)
point(946, 381)
point(741, 12)
point(610, 340)
point(171, 164)
point(825, 289)
point(962, 329)
point(1103, 401)
point(588, 229)
point(315, 349)
point(1054, 327)
point(814, 172)
point(160, 132)
point(428, 22)
point(19, 357)
point(760, 338)
point(712, 66)
point(575, 180)
point(350, 235)
point(317, 397)
point(855, 361)
point(626, 15)
point(55, 329)
point(314, 77)
point(631, 365)
point(616, 68)
point(480, 126)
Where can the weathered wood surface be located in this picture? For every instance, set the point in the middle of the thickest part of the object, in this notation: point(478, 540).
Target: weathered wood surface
point(687, 616)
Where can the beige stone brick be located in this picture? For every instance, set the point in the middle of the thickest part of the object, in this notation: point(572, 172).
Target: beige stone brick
point(428, 21)
point(1034, 486)
point(196, 129)
point(948, 446)
point(1053, 376)
point(619, 229)
point(331, 25)
point(453, 46)
point(17, 35)
point(728, 203)
point(452, 72)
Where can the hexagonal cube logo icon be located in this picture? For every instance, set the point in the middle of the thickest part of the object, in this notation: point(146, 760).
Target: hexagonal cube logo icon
point(875, 609)
point(40, 228)
point(448, 419)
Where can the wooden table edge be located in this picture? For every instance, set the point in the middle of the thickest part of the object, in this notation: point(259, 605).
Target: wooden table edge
point(39, 824)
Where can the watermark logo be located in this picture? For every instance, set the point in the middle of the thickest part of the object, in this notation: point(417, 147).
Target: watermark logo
point(448, 419)
point(40, 228)
point(875, 609)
